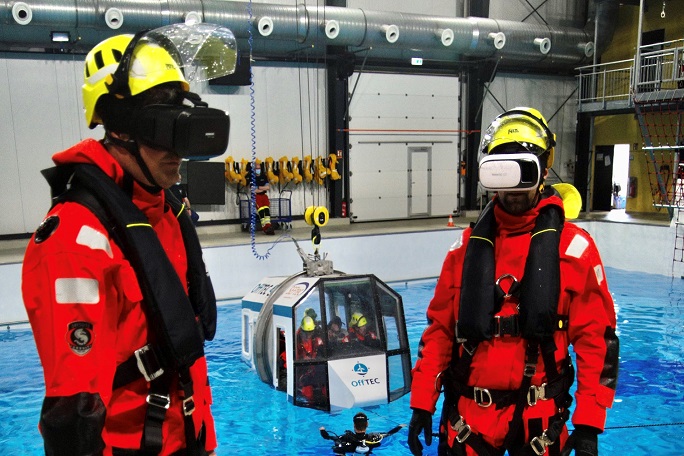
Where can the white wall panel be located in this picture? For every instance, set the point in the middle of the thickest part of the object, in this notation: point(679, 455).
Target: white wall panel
point(42, 114)
point(10, 203)
point(390, 113)
point(39, 132)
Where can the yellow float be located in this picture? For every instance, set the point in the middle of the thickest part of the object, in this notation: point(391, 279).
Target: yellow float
point(296, 172)
point(271, 171)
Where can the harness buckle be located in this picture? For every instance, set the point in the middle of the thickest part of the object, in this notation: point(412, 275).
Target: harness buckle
point(482, 397)
point(462, 430)
point(530, 369)
point(159, 400)
point(514, 280)
point(506, 326)
point(470, 349)
point(539, 444)
point(188, 406)
point(147, 362)
point(535, 393)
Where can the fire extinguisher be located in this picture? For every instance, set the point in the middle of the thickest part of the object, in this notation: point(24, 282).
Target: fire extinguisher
point(344, 209)
point(632, 187)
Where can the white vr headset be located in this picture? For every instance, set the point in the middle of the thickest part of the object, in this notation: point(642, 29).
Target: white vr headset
point(509, 172)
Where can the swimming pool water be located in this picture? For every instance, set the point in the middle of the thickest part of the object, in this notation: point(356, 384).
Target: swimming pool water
point(252, 418)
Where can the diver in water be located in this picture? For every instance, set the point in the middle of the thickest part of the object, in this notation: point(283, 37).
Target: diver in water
point(358, 441)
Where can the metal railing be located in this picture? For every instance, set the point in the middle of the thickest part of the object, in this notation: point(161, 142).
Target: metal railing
point(605, 82)
point(661, 68)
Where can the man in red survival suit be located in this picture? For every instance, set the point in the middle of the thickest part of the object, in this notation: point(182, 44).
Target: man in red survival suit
point(520, 286)
point(311, 381)
point(113, 279)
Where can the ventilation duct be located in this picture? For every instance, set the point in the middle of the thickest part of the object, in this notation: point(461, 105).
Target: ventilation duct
point(279, 30)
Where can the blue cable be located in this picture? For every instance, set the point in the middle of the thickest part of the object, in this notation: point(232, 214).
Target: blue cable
point(252, 123)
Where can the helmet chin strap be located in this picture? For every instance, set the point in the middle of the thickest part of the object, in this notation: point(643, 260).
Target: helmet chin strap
point(133, 148)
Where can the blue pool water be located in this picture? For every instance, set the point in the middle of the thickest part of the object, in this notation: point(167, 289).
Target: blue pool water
point(252, 418)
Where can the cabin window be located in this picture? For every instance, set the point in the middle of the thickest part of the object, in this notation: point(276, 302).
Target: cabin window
point(246, 335)
point(309, 338)
point(311, 370)
point(281, 361)
point(398, 352)
point(311, 385)
point(399, 369)
point(392, 313)
point(353, 326)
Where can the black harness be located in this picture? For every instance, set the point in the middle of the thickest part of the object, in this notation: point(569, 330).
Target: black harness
point(176, 339)
point(481, 299)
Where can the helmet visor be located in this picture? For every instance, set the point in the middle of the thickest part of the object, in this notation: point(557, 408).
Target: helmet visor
point(202, 51)
point(515, 134)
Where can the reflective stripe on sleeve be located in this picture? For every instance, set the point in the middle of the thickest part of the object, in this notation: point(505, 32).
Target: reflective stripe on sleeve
point(94, 239)
point(77, 291)
point(577, 246)
point(598, 270)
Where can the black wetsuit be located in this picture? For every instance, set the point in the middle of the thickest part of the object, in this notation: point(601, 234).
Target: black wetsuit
point(354, 442)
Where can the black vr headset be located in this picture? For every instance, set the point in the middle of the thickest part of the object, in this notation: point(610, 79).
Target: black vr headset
point(192, 132)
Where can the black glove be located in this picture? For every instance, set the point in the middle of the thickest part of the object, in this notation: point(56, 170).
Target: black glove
point(421, 421)
point(584, 440)
point(325, 434)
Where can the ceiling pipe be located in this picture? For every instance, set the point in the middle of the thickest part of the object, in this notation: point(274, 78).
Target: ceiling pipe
point(280, 30)
point(602, 21)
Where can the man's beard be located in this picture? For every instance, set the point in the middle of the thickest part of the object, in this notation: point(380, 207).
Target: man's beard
point(517, 203)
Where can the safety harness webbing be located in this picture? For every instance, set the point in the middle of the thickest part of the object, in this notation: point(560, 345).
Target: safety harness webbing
point(176, 339)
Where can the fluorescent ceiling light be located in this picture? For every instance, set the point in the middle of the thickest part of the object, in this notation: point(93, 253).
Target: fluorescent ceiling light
point(60, 37)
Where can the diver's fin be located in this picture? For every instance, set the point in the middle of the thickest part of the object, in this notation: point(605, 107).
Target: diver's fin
point(394, 430)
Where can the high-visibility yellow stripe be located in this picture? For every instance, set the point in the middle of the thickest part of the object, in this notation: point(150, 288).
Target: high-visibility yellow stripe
point(181, 210)
point(135, 225)
point(482, 239)
point(543, 231)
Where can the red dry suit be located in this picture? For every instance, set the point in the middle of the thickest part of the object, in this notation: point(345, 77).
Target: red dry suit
point(308, 348)
point(499, 363)
point(84, 304)
point(311, 378)
point(356, 335)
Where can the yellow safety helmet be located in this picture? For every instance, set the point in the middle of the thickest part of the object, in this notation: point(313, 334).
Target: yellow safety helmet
point(362, 322)
point(520, 129)
point(150, 66)
point(355, 317)
point(308, 324)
